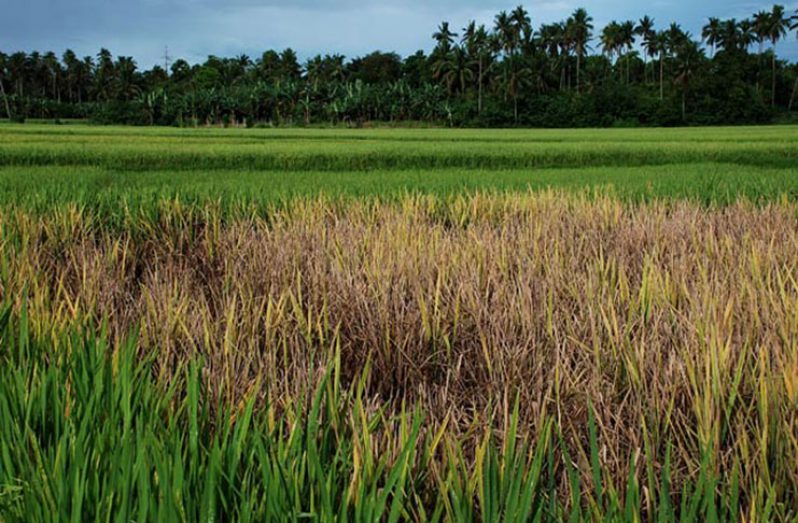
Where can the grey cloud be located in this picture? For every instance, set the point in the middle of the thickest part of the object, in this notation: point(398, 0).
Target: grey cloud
point(196, 28)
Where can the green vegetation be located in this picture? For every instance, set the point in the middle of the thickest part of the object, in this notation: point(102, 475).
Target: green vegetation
point(105, 168)
point(114, 442)
point(564, 74)
point(398, 325)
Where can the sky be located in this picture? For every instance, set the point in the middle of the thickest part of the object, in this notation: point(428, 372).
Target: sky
point(193, 29)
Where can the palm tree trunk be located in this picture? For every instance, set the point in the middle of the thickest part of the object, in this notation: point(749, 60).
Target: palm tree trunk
point(578, 70)
point(5, 99)
point(684, 105)
point(792, 96)
point(479, 97)
point(515, 108)
point(568, 71)
point(773, 92)
point(628, 66)
point(661, 77)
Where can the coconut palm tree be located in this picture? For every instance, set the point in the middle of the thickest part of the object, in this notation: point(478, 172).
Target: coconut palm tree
point(794, 27)
point(778, 24)
point(126, 78)
point(626, 42)
point(611, 39)
point(444, 38)
point(515, 79)
point(445, 69)
point(747, 34)
point(521, 23)
point(688, 57)
point(85, 75)
point(661, 42)
point(730, 37)
point(71, 64)
point(505, 33)
point(676, 37)
point(645, 30)
point(104, 76)
point(507, 28)
point(462, 68)
point(52, 68)
point(580, 29)
point(17, 68)
point(761, 28)
point(476, 42)
point(711, 33)
point(3, 76)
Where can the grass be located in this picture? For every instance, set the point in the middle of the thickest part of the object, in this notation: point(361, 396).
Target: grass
point(593, 343)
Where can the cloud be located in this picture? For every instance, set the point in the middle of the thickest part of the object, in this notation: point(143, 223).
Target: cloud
point(195, 28)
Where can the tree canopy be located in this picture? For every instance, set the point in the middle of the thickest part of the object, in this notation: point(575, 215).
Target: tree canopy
point(562, 74)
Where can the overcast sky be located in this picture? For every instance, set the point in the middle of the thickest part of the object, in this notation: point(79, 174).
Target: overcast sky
point(192, 29)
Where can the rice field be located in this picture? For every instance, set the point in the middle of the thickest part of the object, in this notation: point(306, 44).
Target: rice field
point(398, 325)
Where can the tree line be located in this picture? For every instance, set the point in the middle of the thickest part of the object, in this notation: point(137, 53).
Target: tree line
point(561, 74)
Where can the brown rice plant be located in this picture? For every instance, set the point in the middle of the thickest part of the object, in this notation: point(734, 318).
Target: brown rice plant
point(486, 357)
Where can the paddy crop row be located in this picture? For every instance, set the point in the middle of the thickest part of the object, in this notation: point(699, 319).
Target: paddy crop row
point(122, 195)
point(391, 150)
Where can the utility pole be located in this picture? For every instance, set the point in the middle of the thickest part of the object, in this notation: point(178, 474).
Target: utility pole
point(166, 59)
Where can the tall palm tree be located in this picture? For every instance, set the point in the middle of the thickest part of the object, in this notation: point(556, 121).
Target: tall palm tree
point(661, 42)
point(476, 41)
point(85, 76)
point(794, 27)
point(580, 29)
point(550, 39)
point(17, 66)
point(730, 37)
point(777, 28)
point(514, 80)
point(549, 36)
point(747, 34)
point(610, 39)
point(505, 33)
point(462, 68)
point(688, 56)
point(444, 37)
point(508, 28)
point(53, 70)
point(126, 78)
point(444, 69)
point(626, 41)
point(521, 23)
point(761, 28)
point(104, 76)
point(71, 64)
point(3, 76)
point(467, 38)
point(645, 30)
point(566, 45)
point(711, 33)
point(676, 37)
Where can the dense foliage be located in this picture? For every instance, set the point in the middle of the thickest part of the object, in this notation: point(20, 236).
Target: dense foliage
point(561, 75)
